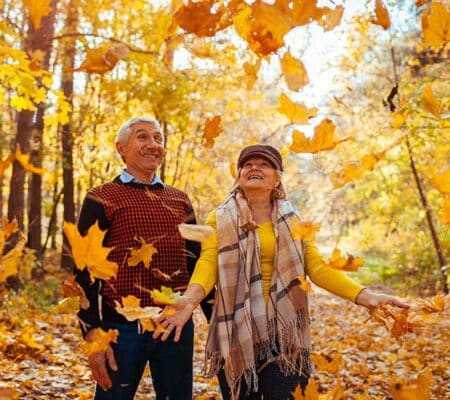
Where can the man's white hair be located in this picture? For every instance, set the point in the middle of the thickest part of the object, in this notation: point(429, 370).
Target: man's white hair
point(124, 131)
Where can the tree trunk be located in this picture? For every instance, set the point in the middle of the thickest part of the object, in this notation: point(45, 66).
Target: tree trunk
point(434, 236)
point(67, 134)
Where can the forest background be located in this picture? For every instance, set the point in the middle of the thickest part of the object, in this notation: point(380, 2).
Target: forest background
point(355, 94)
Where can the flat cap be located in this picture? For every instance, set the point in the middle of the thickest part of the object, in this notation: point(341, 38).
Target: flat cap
point(265, 151)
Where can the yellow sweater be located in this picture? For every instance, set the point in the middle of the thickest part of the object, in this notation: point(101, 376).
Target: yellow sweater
point(333, 280)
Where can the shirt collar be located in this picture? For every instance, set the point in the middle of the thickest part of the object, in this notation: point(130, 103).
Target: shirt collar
point(126, 177)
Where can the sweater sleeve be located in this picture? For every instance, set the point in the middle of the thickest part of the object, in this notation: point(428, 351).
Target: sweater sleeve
point(328, 278)
point(206, 269)
point(91, 212)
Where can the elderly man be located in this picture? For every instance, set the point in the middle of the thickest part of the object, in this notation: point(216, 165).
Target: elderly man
point(138, 206)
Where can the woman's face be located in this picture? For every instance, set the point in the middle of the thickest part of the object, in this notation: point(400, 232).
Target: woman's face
point(258, 174)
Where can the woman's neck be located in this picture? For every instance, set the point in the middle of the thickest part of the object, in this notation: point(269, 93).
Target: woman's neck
point(260, 205)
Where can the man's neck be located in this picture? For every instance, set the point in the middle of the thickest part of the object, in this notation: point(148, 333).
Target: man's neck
point(141, 177)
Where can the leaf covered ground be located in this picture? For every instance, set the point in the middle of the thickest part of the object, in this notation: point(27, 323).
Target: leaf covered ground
point(40, 356)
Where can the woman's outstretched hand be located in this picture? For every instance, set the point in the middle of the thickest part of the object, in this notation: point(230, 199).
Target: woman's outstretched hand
point(370, 299)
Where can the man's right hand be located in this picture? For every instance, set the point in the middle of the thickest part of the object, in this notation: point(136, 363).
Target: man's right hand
point(98, 363)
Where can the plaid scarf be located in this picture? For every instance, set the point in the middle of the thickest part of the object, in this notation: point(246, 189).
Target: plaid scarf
point(243, 330)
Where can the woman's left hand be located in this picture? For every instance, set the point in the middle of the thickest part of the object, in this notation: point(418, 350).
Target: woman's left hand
point(370, 299)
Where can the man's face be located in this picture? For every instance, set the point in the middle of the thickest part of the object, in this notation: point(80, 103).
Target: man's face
point(144, 150)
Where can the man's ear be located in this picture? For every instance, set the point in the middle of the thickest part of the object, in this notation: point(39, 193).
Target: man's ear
point(120, 150)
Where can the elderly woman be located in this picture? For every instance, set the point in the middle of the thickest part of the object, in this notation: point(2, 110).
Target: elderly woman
point(259, 337)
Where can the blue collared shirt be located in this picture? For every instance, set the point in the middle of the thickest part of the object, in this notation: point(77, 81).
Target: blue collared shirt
point(126, 177)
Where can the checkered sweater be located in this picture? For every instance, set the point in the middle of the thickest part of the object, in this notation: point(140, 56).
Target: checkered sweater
point(129, 211)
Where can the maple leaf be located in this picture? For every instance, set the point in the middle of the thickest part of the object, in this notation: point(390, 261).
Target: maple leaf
point(37, 10)
point(398, 119)
point(158, 274)
point(164, 296)
point(345, 264)
point(9, 261)
point(197, 233)
point(211, 130)
point(131, 309)
point(312, 392)
point(4, 164)
point(436, 25)
point(100, 341)
point(322, 140)
point(304, 230)
point(297, 113)
point(71, 288)
point(103, 59)
point(430, 102)
point(381, 15)
point(88, 251)
point(304, 283)
point(197, 17)
point(68, 305)
point(9, 227)
point(143, 254)
point(445, 213)
point(417, 389)
point(442, 182)
point(251, 72)
point(327, 363)
point(431, 306)
point(331, 18)
point(24, 160)
point(294, 72)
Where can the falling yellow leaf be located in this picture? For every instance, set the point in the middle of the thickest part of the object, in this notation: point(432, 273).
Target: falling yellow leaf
point(442, 182)
point(322, 140)
point(131, 309)
point(37, 9)
point(24, 160)
point(304, 230)
point(398, 119)
point(99, 341)
point(211, 130)
point(251, 72)
point(345, 264)
point(164, 296)
point(197, 233)
point(331, 18)
point(297, 113)
point(430, 102)
point(9, 227)
point(88, 251)
point(143, 254)
point(436, 26)
point(103, 59)
point(9, 262)
point(381, 15)
point(294, 72)
point(4, 164)
point(414, 389)
point(71, 288)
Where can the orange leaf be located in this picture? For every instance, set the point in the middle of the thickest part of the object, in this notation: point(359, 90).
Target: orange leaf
point(251, 72)
point(442, 182)
point(100, 341)
point(433, 305)
point(294, 72)
point(71, 288)
point(327, 363)
point(143, 254)
point(158, 274)
point(304, 283)
point(88, 251)
point(297, 113)
point(4, 164)
point(398, 119)
point(9, 262)
point(24, 160)
point(9, 227)
point(37, 9)
point(103, 59)
point(211, 130)
point(331, 18)
point(430, 102)
point(445, 213)
point(345, 264)
point(436, 26)
point(381, 15)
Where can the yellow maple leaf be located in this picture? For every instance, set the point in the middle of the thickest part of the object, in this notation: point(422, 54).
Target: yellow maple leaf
point(71, 288)
point(88, 251)
point(131, 309)
point(442, 182)
point(326, 363)
point(381, 15)
point(10, 227)
point(103, 59)
point(164, 296)
point(143, 254)
point(331, 18)
point(297, 113)
point(445, 213)
point(294, 72)
point(100, 341)
point(417, 389)
point(251, 72)
point(4, 164)
point(430, 102)
point(37, 10)
point(304, 230)
point(211, 130)
point(9, 262)
point(68, 305)
point(197, 233)
point(24, 160)
point(436, 25)
point(345, 264)
point(436, 304)
point(398, 119)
